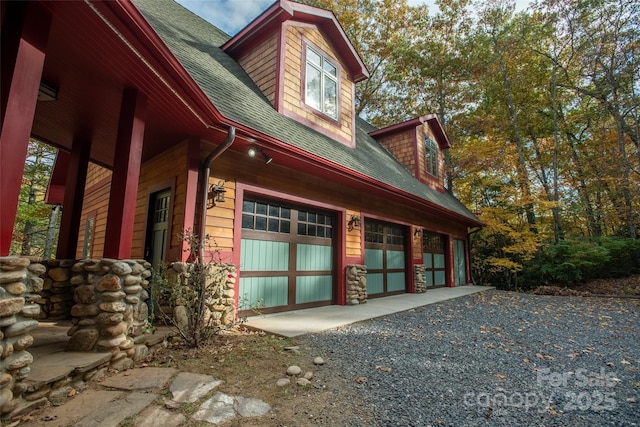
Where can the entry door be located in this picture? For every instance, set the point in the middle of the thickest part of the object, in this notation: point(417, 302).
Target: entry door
point(286, 257)
point(158, 226)
point(384, 256)
point(459, 261)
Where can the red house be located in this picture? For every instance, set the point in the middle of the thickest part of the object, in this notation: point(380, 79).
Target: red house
point(164, 123)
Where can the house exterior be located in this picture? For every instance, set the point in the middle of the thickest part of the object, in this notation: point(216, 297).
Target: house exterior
point(147, 102)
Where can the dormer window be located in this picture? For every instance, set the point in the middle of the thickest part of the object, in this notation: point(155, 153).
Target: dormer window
point(321, 84)
point(431, 156)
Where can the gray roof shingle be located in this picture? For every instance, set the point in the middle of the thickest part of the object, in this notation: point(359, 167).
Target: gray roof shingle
point(195, 43)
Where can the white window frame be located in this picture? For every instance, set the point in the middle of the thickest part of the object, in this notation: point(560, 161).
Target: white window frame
point(431, 156)
point(323, 76)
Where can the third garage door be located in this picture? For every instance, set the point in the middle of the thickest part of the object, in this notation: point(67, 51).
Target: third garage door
point(384, 256)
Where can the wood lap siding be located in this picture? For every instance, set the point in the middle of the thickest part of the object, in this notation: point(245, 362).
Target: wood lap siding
point(170, 165)
point(402, 146)
point(293, 99)
point(220, 218)
point(261, 65)
point(96, 202)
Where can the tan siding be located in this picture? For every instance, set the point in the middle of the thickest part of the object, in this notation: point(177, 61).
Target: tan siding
point(220, 218)
point(423, 175)
point(168, 168)
point(354, 248)
point(401, 146)
point(296, 37)
point(96, 202)
point(261, 65)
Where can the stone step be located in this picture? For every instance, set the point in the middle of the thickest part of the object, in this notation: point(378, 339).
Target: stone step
point(51, 363)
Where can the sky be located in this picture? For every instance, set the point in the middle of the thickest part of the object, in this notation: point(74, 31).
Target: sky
point(233, 15)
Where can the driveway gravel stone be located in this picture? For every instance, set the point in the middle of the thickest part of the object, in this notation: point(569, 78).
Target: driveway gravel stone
point(495, 359)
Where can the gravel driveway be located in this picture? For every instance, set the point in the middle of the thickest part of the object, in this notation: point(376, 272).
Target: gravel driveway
point(495, 359)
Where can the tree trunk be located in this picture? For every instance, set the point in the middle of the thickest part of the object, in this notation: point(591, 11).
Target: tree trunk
point(51, 231)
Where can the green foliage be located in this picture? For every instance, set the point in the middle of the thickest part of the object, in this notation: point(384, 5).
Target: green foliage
point(579, 260)
point(184, 295)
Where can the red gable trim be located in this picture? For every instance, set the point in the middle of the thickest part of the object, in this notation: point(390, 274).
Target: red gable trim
point(285, 10)
point(431, 119)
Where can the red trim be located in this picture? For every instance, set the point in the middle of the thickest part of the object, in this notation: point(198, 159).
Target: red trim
point(340, 230)
point(431, 119)
point(285, 10)
point(278, 101)
point(25, 30)
point(126, 173)
point(191, 193)
point(131, 19)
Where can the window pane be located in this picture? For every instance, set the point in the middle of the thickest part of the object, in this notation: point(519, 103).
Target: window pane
point(247, 206)
point(273, 225)
point(312, 230)
point(285, 227)
point(261, 223)
point(273, 210)
point(313, 87)
point(247, 221)
point(302, 229)
point(312, 217)
point(302, 216)
point(285, 213)
point(330, 97)
point(313, 57)
point(329, 68)
point(261, 208)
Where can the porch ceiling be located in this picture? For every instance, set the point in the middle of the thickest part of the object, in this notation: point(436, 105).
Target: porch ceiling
point(90, 62)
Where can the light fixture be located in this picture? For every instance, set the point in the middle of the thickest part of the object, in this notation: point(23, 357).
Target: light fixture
point(47, 92)
point(253, 152)
point(353, 222)
point(417, 233)
point(216, 194)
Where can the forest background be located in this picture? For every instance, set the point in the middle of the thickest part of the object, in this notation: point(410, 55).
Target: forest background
point(541, 107)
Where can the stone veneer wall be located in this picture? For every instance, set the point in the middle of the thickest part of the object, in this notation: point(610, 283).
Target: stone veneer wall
point(220, 303)
point(420, 278)
point(106, 301)
point(356, 284)
point(19, 283)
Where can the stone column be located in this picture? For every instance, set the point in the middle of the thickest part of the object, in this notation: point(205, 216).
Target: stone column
point(110, 307)
point(356, 284)
point(420, 278)
point(18, 314)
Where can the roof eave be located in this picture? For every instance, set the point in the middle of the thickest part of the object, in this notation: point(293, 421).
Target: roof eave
point(284, 10)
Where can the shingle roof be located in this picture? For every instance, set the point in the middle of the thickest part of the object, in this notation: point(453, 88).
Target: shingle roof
point(195, 43)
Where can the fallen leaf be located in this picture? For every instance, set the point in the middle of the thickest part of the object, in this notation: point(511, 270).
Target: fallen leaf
point(72, 392)
point(625, 362)
point(383, 368)
point(361, 380)
point(500, 376)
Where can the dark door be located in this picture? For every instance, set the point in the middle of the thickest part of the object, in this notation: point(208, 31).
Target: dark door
point(158, 227)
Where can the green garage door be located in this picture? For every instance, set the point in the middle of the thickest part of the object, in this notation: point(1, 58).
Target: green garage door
point(384, 256)
point(459, 262)
point(433, 257)
point(286, 258)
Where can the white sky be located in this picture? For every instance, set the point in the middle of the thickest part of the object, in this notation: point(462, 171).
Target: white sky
point(233, 15)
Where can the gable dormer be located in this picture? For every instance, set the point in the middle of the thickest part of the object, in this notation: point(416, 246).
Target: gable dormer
point(303, 62)
point(419, 146)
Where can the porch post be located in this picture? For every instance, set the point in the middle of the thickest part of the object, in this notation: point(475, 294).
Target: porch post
point(191, 196)
point(25, 30)
point(73, 198)
point(126, 174)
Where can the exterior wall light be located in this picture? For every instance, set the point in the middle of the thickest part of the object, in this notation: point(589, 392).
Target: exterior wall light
point(253, 152)
point(353, 222)
point(216, 194)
